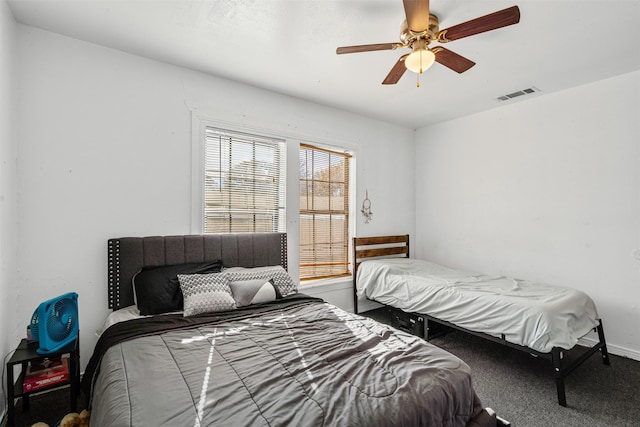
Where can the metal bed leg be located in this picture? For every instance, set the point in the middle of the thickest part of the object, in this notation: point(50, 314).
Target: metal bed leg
point(556, 356)
point(603, 344)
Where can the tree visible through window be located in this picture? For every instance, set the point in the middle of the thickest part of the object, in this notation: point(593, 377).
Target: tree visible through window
point(244, 182)
point(324, 212)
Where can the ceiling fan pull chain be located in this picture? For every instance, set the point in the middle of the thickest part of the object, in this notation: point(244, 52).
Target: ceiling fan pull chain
point(418, 80)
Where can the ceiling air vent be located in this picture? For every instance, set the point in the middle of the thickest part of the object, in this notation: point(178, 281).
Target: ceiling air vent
point(522, 92)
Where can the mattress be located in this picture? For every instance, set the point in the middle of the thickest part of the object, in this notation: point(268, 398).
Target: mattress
point(535, 315)
point(295, 362)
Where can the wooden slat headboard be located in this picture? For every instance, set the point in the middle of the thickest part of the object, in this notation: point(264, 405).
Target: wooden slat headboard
point(127, 255)
point(376, 247)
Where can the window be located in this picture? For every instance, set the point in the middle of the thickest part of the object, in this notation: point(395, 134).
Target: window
point(324, 212)
point(241, 186)
point(243, 183)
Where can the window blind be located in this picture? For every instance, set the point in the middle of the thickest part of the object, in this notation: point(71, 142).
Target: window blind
point(244, 183)
point(324, 213)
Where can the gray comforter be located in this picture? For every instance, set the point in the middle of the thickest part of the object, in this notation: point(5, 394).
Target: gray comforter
point(300, 362)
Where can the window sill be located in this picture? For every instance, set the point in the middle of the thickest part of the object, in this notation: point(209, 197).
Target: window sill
point(332, 282)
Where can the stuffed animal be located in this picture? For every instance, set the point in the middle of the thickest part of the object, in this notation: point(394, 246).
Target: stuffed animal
point(74, 419)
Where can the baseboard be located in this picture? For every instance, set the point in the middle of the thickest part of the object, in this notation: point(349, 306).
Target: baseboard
point(612, 348)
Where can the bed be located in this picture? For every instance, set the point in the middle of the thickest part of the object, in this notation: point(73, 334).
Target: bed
point(541, 319)
point(276, 357)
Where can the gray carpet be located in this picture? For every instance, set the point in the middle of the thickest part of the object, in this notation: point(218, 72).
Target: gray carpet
point(47, 407)
point(521, 388)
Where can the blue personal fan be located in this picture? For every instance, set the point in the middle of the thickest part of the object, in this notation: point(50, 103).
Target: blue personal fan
point(54, 324)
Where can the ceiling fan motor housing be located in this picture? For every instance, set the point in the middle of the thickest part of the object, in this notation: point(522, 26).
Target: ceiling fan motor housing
point(408, 37)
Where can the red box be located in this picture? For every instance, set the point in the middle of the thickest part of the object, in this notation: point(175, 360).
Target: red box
point(46, 373)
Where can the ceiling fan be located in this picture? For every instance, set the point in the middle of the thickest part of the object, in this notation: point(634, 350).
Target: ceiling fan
point(421, 28)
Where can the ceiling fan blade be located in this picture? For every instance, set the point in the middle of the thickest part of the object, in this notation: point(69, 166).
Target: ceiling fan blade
point(489, 22)
point(452, 60)
point(396, 72)
point(417, 12)
point(366, 48)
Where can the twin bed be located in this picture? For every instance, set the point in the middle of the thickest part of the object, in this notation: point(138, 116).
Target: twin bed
point(231, 342)
point(541, 319)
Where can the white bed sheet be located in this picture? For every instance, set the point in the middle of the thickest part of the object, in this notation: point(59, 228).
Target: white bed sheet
point(536, 315)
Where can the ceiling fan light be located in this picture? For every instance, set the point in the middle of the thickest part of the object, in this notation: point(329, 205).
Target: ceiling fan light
point(419, 60)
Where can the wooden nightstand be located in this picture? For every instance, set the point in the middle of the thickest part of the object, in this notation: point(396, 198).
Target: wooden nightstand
point(25, 353)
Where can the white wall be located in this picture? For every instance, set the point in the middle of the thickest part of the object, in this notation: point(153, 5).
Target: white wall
point(546, 189)
point(8, 183)
point(105, 151)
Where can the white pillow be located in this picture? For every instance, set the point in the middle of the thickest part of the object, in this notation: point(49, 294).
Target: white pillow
point(247, 292)
point(205, 293)
point(277, 273)
point(124, 314)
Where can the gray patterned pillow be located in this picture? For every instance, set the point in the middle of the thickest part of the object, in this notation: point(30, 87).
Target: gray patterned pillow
point(205, 293)
point(281, 278)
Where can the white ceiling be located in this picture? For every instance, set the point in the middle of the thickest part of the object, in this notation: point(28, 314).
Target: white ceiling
point(288, 46)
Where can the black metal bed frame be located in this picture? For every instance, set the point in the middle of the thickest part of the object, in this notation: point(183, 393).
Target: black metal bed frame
point(398, 246)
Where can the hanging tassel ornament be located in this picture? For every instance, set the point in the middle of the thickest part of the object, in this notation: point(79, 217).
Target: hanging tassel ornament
point(366, 208)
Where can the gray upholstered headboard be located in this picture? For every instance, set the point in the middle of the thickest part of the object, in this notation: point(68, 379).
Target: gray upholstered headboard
point(127, 255)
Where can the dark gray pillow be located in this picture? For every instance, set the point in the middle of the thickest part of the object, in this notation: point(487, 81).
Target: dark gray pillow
point(157, 289)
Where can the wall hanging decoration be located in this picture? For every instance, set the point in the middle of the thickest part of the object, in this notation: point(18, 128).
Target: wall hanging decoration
point(366, 208)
